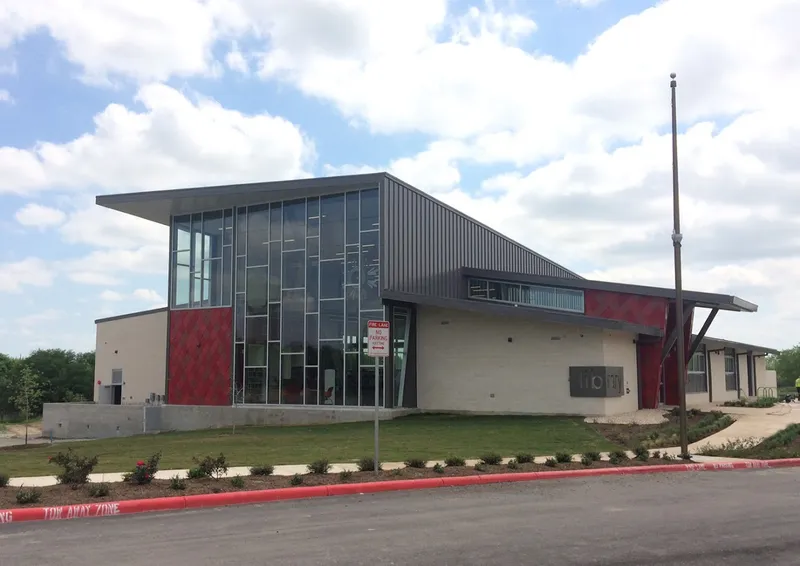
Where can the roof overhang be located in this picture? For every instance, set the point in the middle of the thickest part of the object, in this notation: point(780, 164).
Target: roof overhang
point(700, 299)
point(530, 313)
point(715, 343)
point(158, 206)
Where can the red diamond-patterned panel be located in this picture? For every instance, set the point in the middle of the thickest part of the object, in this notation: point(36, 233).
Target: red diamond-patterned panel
point(637, 309)
point(200, 356)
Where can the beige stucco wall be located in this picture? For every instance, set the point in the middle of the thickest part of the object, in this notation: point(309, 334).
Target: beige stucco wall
point(717, 365)
point(466, 363)
point(138, 346)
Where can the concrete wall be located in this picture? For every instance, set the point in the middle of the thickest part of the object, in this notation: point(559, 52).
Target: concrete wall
point(85, 420)
point(465, 362)
point(717, 366)
point(137, 345)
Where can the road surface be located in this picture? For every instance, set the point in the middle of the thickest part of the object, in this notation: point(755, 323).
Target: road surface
point(730, 518)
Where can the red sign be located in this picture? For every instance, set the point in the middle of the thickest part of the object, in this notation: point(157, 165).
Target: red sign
point(378, 338)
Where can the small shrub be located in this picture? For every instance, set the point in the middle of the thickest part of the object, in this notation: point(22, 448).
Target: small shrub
point(196, 474)
point(593, 456)
point(454, 462)
point(551, 462)
point(642, 454)
point(28, 496)
point(563, 457)
point(525, 458)
point(99, 489)
point(620, 454)
point(438, 468)
point(213, 467)
point(416, 463)
point(367, 464)
point(297, 479)
point(481, 467)
point(145, 471)
point(266, 470)
point(586, 461)
point(657, 454)
point(345, 475)
point(513, 464)
point(4, 479)
point(667, 457)
point(319, 467)
point(216, 489)
point(686, 456)
point(177, 483)
point(491, 459)
point(397, 472)
point(75, 469)
point(237, 482)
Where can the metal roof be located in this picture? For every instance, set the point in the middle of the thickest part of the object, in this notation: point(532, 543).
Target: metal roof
point(130, 315)
point(720, 342)
point(701, 299)
point(521, 312)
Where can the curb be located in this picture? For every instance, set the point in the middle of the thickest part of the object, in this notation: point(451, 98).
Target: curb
point(131, 506)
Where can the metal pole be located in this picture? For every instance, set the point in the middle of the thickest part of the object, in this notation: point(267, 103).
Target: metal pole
point(676, 243)
point(377, 426)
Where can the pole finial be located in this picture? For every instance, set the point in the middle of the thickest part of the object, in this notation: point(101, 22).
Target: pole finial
point(672, 75)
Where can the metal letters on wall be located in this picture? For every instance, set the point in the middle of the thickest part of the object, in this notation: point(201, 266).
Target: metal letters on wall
point(596, 381)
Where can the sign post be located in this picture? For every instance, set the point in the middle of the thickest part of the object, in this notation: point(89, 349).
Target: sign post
point(377, 347)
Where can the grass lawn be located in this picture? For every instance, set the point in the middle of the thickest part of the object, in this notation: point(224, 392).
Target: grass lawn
point(783, 444)
point(423, 436)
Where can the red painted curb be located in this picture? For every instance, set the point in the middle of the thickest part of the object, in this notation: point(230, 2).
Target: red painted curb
point(248, 497)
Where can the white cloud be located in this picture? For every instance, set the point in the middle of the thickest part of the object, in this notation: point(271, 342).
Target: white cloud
point(38, 216)
point(174, 142)
point(5, 97)
point(31, 271)
point(141, 295)
point(236, 60)
point(109, 295)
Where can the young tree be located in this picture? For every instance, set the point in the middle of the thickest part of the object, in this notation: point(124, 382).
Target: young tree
point(787, 366)
point(27, 394)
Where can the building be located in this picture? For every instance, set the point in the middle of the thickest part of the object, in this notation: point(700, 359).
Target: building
point(271, 286)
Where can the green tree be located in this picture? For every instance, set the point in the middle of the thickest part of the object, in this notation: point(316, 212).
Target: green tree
point(8, 371)
point(27, 395)
point(787, 365)
point(66, 375)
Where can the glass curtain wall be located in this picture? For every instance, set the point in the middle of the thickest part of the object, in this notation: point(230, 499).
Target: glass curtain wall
point(202, 252)
point(307, 282)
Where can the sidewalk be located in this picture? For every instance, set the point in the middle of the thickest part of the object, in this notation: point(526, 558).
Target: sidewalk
point(291, 469)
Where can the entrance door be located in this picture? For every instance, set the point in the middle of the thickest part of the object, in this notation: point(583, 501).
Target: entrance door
point(117, 394)
point(400, 328)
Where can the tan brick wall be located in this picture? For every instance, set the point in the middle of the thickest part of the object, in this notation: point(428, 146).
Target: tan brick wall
point(466, 363)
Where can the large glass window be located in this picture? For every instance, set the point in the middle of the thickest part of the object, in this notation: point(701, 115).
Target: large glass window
point(731, 375)
point(697, 374)
point(555, 298)
point(307, 282)
point(202, 260)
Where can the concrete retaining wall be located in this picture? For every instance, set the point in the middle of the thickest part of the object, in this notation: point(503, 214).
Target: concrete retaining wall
point(83, 420)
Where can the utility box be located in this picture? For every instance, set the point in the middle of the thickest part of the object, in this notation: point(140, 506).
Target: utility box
point(596, 381)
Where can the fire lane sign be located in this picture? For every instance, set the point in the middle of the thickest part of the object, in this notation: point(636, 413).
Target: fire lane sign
point(378, 338)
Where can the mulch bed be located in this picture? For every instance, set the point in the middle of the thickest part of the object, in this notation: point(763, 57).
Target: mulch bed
point(59, 495)
point(632, 436)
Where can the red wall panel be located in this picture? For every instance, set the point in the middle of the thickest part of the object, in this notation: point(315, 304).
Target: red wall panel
point(200, 356)
point(649, 360)
point(671, 363)
point(637, 309)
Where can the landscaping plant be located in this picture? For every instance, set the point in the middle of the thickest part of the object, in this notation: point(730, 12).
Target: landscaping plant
point(237, 482)
point(491, 459)
point(75, 468)
point(212, 467)
point(524, 458)
point(454, 462)
point(4, 479)
point(367, 464)
point(563, 457)
point(177, 483)
point(551, 462)
point(145, 471)
point(416, 463)
point(266, 470)
point(99, 489)
point(296, 480)
point(28, 496)
point(319, 467)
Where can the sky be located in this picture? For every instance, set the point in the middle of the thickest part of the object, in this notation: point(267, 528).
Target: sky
point(548, 120)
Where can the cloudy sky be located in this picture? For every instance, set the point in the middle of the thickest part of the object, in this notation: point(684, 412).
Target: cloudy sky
point(546, 119)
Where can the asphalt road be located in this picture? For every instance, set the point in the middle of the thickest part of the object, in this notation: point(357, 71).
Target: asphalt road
point(729, 518)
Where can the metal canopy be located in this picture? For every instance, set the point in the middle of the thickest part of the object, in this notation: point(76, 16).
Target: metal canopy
point(719, 342)
point(534, 313)
point(700, 299)
point(157, 206)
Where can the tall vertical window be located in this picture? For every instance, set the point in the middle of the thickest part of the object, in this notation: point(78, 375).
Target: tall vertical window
point(307, 282)
point(731, 375)
point(202, 260)
point(697, 373)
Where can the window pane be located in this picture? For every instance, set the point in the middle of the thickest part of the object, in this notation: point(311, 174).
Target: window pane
point(370, 271)
point(227, 236)
point(351, 216)
point(256, 290)
point(478, 289)
point(240, 274)
point(214, 292)
point(256, 341)
point(368, 386)
point(292, 379)
point(332, 227)
point(241, 231)
point(331, 367)
point(312, 387)
point(351, 277)
point(294, 272)
point(197, 242)
point(351, 326)
point(197, 287)
point(238, 356)
point(181, 286)
point(294, 225)
point(255, 384)
point(312, 340)
point(181, 239)
point(312, 285)
point(313, 217)
point(313, 246)
point(276, 223)
point(369, 210)
point(351, 379)
point(331, 280)
point(257, 235)
point(239, 330)
point(212, 228)
point(292, 321)
point(275, 272)
point(274, 372)
point(331, 320)
point(227, 276)
point(275, 321)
